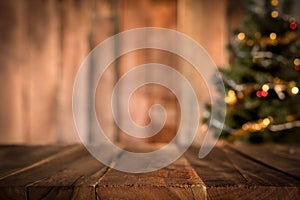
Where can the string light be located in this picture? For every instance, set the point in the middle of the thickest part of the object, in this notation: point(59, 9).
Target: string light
point(279, 86)
point(296, 61)
point(274, 14)
point(251, 127)
point(273, 36)
point(265, 87)
point(297, 64)
point(274, 3)
point(295, 90)
point(231, 98)
point(241, 36)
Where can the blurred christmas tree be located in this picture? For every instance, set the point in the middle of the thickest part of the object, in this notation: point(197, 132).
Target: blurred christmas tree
point(263, 79)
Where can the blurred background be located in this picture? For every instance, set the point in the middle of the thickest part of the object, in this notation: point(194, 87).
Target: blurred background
point(44, 42)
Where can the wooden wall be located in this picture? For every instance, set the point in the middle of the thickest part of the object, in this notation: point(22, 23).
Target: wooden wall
point(43, 43)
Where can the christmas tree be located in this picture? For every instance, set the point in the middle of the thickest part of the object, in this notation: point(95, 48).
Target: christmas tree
point(263, 79)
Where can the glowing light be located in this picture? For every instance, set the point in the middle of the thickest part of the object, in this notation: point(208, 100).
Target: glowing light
point(266, 122)
point(273, 36)
point(274, 14)
point(231, 98)
point(297, 61)
point(241, 36)
point(265, 87)
point(295, 90)
point(274, 2)
point(245, 127)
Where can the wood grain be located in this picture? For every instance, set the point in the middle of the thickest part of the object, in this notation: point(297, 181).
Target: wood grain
point(177, 181)
point(14, 185)
point(42, 72)
point(13, 60)
point(70, 172)
point(283, 158)
point(74, 47)
point(228, 174)
point(76, 181)
point(14, 158)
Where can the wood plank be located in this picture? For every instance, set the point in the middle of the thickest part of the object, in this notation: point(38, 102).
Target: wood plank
point(229, 175)
point(14, 186)
point(283, 158)
point(14, 158)
point(215, 169)
point(177, 181)
point(76, 181)
point(259, 177)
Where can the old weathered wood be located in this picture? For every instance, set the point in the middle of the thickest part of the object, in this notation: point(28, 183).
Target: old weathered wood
point(283, 158)
point(229, 174)
point(215, 169)
point(14, 158)
point(77, 181)
point(13, 186)
point(177, 181)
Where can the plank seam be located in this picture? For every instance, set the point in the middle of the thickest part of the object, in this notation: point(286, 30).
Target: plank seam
point(260, 162)
point(43, 161)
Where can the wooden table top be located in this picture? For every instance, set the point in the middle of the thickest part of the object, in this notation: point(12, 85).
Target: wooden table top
point(236, 171)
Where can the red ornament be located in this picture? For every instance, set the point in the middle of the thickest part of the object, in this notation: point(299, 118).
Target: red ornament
point(258, 94)
point(264, 93)
point(297, 67)
point(293, 25)
point(261, 93)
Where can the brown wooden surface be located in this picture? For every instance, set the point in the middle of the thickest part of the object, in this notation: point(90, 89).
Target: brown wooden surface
point(243, 171)
point(70, 172)
point(236, 171)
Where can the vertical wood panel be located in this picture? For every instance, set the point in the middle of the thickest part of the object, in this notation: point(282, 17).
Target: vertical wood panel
point(204, 21)
point(75, 17)
point(12, 64)
point(43, 43)
point(42, 80)
point(150, 13)
point(104, 25)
